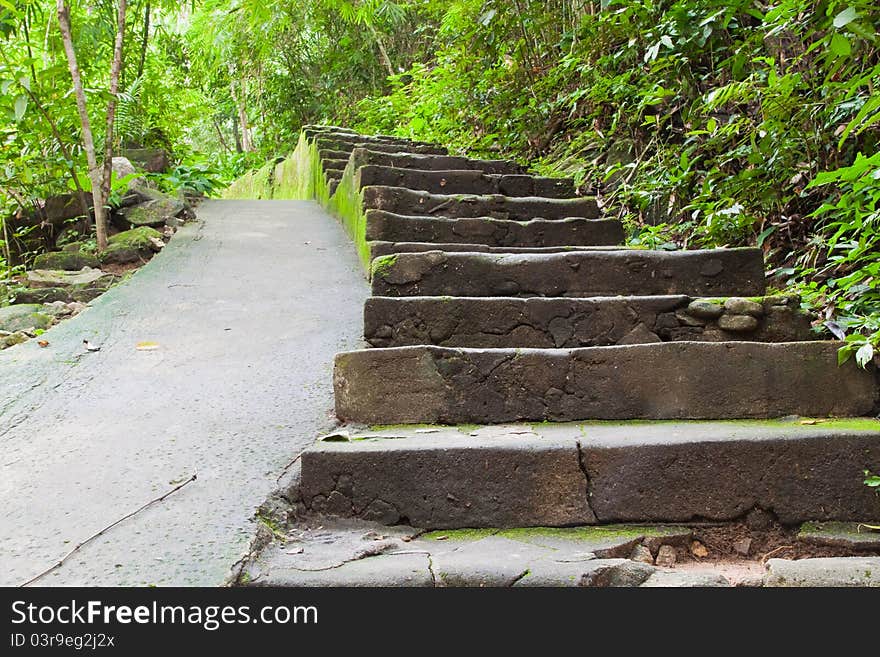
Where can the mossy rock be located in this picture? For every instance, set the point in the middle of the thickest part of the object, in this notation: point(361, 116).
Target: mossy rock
point(41, 294)
point(24, 316)
point(154, 213)
point(131, 246)
point(87, 277)
point(65, 260)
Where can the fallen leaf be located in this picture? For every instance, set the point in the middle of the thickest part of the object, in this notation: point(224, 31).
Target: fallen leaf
point(297, 550)
point(441, 538)
point(341, 436)
point(43, 343)
point(147, 346)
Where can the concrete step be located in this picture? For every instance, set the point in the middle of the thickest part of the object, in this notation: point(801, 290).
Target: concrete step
point(365, 156)
point(334, 155)
point(509, 322)
point(378, 249)
point(464, 181)
point(400, 200)
point(354, 138)
point(574, 231)
point(333, 163)
point(331, 173)
point(711, 272)
point(344, 144)
point(571, 474)
point(663, 380)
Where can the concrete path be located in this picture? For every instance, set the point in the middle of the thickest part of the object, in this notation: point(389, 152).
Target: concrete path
point(248, 307)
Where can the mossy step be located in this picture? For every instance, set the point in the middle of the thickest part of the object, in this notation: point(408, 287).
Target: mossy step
point(381, 249)
point(367, 156)
point(464, 181)
point(347, 145)
point(400, 200)
point(554, 475)
point(710, 272)
point(573, 231)
point(499, 322)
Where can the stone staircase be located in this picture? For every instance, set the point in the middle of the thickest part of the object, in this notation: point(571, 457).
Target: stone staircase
point(577, 381)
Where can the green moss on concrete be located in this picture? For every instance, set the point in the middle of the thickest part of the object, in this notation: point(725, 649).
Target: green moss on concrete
point(591, 534)
point(382, 265)
point(459, 535)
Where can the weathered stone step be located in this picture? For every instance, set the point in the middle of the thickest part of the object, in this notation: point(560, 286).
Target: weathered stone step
point(379, 248)
point(333, 163)
point(400, 200)
point(365, 156)
point(711, 272)
point(573, 231)
point(331, 173)
point(354, 138)
point(347, 145)
point(570, 474)
point(334, 155)
point(664, 380)
point(503, 322)
point(464, 181)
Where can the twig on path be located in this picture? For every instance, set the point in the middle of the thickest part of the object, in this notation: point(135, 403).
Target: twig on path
point(104, 530)
point(767, 556)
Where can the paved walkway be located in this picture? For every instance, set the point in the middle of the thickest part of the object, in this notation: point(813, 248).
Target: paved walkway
point(248, 306)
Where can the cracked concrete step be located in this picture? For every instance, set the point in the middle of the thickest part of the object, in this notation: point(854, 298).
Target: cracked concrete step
point(664, 380)
point(572, 231)
point(710, 272)
point(379, 249)
point(346, 552)
point(349, 144)
point(365, 156)
point(570, 474)
point(400, 200)
point(464, 181)
point(540, 322)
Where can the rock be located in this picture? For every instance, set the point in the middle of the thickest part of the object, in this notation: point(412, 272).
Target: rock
point(743, 546)
point(86, 277)
point(686, 579)
point(122, 167)
point(699, 550)
point(4, 294)
point(642, 554)
point(153, 213)
point(22, 317)
point(740, 306)
point(688, 320)
point(59, 209)
point(137, 244)
point(67, 260)
point(41, 294)
point(614, 574)
point(57, 308)
point(824, 572)
point(705, 309)
point(151, 160)
point(666, 556)
point(76, 307)
point(69, 239)
point(639, 335)
point(14, 339)
point(738, 323)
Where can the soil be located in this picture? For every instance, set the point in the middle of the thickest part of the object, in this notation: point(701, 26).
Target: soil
point(726, 543)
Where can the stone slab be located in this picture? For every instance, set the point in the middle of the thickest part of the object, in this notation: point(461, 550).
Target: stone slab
point(451, 483)
point(449, 477)
point(400, 200)
point(573, 231)
point(540, 322)
point(824, 572)
point(379, 249)
point(711, 272)
point(666, 380)
point(464, 181)
point(348, 144)
point(850, 535)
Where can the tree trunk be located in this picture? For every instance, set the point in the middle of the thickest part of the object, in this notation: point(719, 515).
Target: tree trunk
point(88, 140)
point(144, 40)
point(239, 98)
point(115, 69)
point(386, 60)
point(236, 133)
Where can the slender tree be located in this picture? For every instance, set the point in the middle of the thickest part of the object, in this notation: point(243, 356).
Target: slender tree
point(99, 174)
